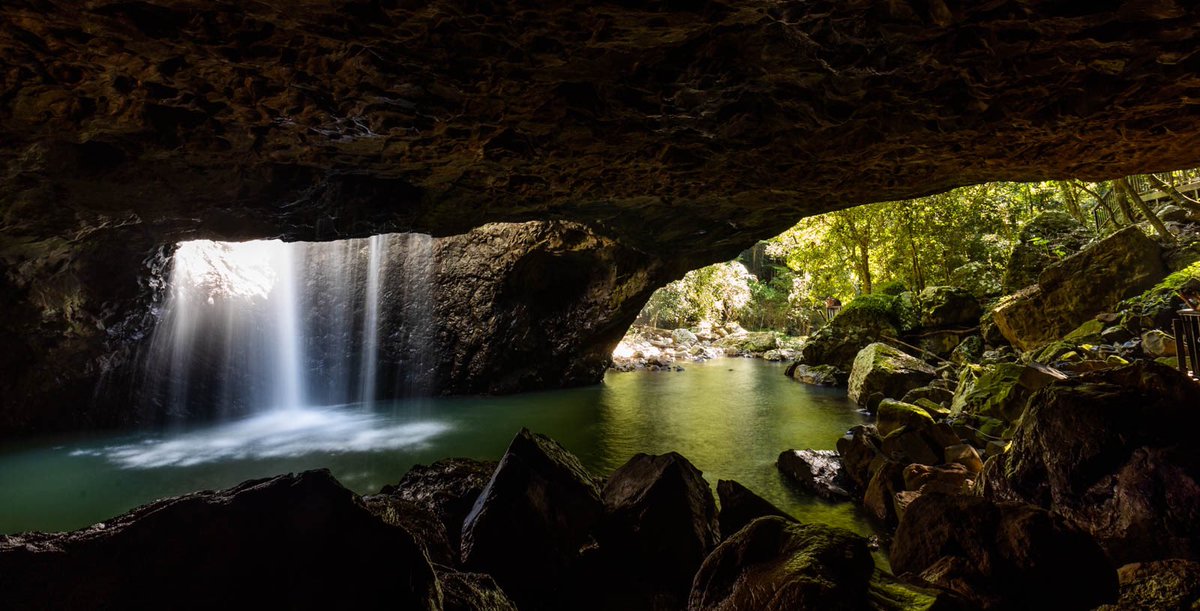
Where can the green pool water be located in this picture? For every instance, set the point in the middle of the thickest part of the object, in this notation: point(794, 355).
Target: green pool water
point(731, 417)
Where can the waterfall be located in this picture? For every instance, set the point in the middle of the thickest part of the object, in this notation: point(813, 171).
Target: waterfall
point(253, 326)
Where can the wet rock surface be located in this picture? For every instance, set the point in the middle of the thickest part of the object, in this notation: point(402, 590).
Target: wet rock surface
point(448, 488)
point(299, 541)
point(776, 565)
point(1166, 585)
point(1112, 452)
point(1001, 555)
point(817, 472)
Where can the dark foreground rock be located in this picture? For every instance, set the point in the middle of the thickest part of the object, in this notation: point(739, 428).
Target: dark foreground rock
point(660, 523)
point(1113, 452)
point(472, 592)
point(293, 541)
point(1001, 555)
point(1164, 585)
point(817, 471)
point(777, 565)
point(531, 520)
point(448, 488)
point(419, 521)
point(740, 506)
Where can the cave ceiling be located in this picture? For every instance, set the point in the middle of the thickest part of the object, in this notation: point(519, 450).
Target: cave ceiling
point(683, 128)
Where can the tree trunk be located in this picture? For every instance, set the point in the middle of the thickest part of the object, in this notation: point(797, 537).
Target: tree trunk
point(1156, 222)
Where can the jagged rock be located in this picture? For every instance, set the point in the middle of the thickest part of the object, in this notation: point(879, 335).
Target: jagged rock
point(1000, 555)
point(472, 592)
point(945, 306)
point(1068, 293)
point(740, 506)
point(531, 520)
point(890, 594)
point(817, 471)
point(1043, 241)
point(298, 541)
point(818, 375)
point(419, 521)
point(777, 565)
point(448, 488)
point(1164, 585)
point(880, 368)
point(894, 414)
point(1114, 453)
point(858, 448)
point(660, 523)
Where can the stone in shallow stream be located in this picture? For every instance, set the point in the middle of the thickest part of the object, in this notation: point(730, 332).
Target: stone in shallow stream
point(817, 471)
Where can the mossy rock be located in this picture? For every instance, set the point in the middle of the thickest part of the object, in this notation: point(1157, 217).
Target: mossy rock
point(995, 391)
point(895, 414)
point(1087, 333)
point(883, 371)
point(1156, 307)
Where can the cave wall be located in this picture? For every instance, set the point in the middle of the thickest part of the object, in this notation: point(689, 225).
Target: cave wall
point(680, 131)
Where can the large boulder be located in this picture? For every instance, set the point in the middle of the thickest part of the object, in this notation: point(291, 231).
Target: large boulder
point(945, 306)
point(999, 391)
point(419, 521)
point(863, 321)
point(777, 565)
point(1114, 452)
point(294, 541)
point(893, 414)
point(817, 375)
point(531, 520)
point(1080, 286)
point(740, 506)
point(881, 371)
point(1043, 241)
point(1000, 555)
point(816, 471)
point(448, 488)
point(1164, 585)
point(660, 523)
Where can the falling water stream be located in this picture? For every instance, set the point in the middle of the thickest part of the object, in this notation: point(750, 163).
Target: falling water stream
point(254, 326)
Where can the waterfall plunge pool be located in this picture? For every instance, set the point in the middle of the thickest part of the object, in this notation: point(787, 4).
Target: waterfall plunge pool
point(731, 417)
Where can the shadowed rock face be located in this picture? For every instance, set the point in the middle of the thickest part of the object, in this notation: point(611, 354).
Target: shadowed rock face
point(682, 133)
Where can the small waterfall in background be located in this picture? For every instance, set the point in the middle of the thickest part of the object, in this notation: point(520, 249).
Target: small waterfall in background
point(255, 326)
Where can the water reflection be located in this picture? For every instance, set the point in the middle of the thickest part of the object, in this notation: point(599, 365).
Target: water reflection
point(730, 417)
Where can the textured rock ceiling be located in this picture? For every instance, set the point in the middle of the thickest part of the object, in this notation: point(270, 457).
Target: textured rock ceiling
point(692, 127)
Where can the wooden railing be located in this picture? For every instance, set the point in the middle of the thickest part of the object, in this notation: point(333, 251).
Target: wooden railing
point(1186, 181)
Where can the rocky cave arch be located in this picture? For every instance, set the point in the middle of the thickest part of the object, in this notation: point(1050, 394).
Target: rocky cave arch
point(641, 141)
